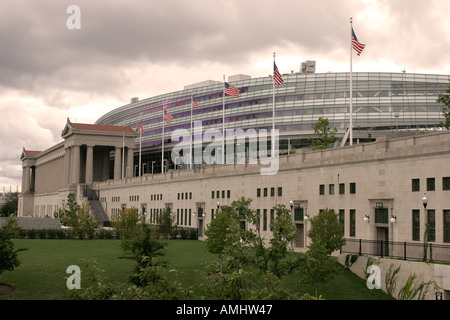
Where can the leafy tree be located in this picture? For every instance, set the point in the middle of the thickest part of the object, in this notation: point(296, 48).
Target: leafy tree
point(166, 223)
point(326, 229)
point(8, 255)
point(221, 232)
point(79, 219)
point(126, 222)
point(325, 135)
point(250, 247)
point(10, 205)
point(445, 99)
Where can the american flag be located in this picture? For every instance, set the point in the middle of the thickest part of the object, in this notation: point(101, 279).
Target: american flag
point(167, 116)
point(141, 128)
point(359, 47)
point(276, 75)
point(231, 91)
point(194, 104)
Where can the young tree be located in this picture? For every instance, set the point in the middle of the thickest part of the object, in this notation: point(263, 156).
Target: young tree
point(8, 255)
point(10, 205)
point(326, 229)
point(166, 223)
point(325, 135)
point(222, 232)
point(79, 219)
point(445, 99)
point(252, 248)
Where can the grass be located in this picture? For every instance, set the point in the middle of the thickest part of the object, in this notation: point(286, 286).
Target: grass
point(42, 272)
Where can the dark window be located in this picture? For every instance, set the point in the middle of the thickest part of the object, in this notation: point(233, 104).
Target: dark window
point(446, 225)
point(258, 192)
point(446, 183)
point(280, 191)
point(322, 189)
point(342, 219)
point(352, 187)
point(272, 192)
point(212, 194)
point(430, 184)
point(431, 225)
point(352, 222)
point(331, 189)
point(265, 192)
point(416, 225)
point(415, 185)
point(341, 188)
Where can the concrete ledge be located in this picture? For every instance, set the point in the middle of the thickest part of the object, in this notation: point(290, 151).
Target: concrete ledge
point(35, 223)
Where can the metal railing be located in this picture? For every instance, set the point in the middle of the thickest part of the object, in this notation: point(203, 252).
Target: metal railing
point(399, 250)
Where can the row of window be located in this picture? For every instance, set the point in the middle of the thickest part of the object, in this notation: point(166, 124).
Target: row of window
point(431, 220)
point(217, 194)
point(184, 195)
point(272, 192)
point(331, 189)
point(431, 184)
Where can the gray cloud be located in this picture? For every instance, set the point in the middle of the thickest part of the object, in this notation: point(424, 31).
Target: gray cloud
point(138, 47)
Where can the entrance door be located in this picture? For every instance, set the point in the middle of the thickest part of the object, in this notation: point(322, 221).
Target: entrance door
point(382, 241)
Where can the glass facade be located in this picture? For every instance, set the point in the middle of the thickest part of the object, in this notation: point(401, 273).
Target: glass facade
point(381, 101)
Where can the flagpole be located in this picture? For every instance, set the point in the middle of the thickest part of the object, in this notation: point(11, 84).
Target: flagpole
point(223, 122)
point(123, 152)
point(351, 86)
point(190, 152)
point(162, 153)
point(140, 145)
point(273, 112)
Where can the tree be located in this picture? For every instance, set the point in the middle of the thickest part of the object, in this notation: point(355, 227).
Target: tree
point(221, 232)
point(445, 99)
point(10, 205)
point(8, 255)
point(166, 223)
point(326, 229)
point(325, 135)
point(250, 247)
point(79, 219)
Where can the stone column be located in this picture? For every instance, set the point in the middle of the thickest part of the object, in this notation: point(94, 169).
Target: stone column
point(90, 165)
point(130, 162)
point(67, 166)
point(76, 165)
point(117, 164)
point(26, 179)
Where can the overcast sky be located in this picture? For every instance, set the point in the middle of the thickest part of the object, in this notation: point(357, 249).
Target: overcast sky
point(143, 48)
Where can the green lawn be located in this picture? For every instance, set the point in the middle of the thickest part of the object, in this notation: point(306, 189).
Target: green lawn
point(42, 272)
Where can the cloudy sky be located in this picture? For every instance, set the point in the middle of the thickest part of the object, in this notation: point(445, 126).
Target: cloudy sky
point(142, 48)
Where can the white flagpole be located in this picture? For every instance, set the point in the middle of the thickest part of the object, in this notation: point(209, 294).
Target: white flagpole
point(273, 110)
point(223, 122)
point(162, 153)
point(351, 86)
point(140, 145)
point(190, 152)
point(123, 152)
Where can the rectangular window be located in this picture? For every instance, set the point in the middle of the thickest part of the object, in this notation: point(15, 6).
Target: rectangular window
point(430, 184)
point(272, 217)
point(272, 192)
point(212, 194)
point(431, 225)
point(447, 226)
point(223, 194)
point(331, 189)
point(228, 194)
point(280, 191)
point(265, 192)
point(265, 219)
point(415, 185)
point(416, 225)
point(322, 189)
point(341, 188)
point(258, 214)
point(446, 183)
point(217, 194)
point(352, 222)
point(190, 216)
point(342, 220)
point(298, 213)
point(382, 215)
point(352, 187)
point(258, 192)
point(212, 214)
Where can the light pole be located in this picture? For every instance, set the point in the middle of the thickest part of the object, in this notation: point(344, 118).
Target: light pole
point(425, 234)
